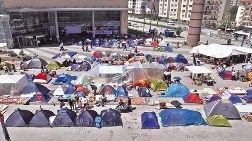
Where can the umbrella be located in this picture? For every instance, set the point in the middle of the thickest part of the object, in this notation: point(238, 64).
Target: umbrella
point(162, 44)
point(177, 78)
point(97, 54)
point(123, 42)
point(154, 43)
point(82, 57)
point(88, 41)
point(140, 54)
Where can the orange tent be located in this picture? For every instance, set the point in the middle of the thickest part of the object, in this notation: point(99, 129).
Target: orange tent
point(131, 60)
point(85, 90)
point(154, 43)
point(144, 83)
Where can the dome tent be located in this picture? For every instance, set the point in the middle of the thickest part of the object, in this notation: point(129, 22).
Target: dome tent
point(41, 119)
point(149, 120)
point(19, 118)
point(177, 90)
point(86, 118)
point(111, 117)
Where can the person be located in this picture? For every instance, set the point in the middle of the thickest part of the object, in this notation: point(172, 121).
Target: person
point(0, 60)
point(14, 68)
point(135, 50)
point(121, 104)
point(70, 103)
point(5, 69)
point(178, 45)
point(238, 75)
point(129, 104)
point(83, 48)
point(38, 42)
point(51, 41)
point(84, 101)
point(74, 61)
point(62, 104)
point(207, 42)
point(229, 42)
point(124, 47)
point(233, 75)
point(87, 48)
point(42, 68)
point(61, 46)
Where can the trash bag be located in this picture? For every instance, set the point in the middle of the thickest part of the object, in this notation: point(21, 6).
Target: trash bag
point(98, 122)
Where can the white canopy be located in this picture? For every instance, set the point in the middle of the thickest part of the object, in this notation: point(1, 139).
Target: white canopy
point(58, 92)
point(2, 45)
point(111, 70)
point(242, 33)
point(220, 51)
point(198, 69)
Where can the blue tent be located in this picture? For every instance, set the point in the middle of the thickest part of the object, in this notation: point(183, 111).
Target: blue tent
point(141, 42)
point(249, 92)
point(235, 99)
point(40, 98)
point(121, 92)
point(96, 42)
point(30, 77)
point(59, 55)
point(177, 90)
point(80, 94)
point(181, 117)
point(169, 33)
point(74, 67)
point(44, 90)
point(213, 98)
point(30, 89)
point(19, 118)
point(162, 61)
point(64, 79)
point(70, 89)
point(148, 57)
point(143, 92)
point(181, 59)
point(131, 43)
point(111, 117)
point(86, 118)
point(149, 120)
point(41, 119)
point(168, 49)
point(65, 118)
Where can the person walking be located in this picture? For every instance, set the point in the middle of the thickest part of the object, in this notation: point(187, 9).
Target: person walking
point(178, 45)
point(61, 46)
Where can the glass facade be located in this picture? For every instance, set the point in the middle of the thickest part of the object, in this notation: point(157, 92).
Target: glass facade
point(34, 23)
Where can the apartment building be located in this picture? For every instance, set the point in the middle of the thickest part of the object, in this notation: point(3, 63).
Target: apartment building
point(139, 7)
point(234, 3)
point(214, 10)
point(244, 13)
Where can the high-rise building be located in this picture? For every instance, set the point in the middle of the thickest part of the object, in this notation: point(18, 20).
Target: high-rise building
point(244, 13)
point(140, 7)
point(214, 11)
point(234, 3)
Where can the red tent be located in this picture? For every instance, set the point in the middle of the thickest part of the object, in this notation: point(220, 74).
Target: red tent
point(42, 78)
point(193, 98)
point(97, 54)
point(154, 43)
point(81, 88)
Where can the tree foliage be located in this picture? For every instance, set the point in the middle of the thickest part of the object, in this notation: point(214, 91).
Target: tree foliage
point(179, 30)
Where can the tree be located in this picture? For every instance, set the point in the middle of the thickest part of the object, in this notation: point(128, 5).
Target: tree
point(233, 11)
point(228, 17)
point(179, 30)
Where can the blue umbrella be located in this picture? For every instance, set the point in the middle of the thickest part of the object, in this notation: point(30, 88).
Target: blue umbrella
point(62, 54)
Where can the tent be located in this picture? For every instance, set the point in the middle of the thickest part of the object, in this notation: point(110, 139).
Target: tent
point(168, 49)
point(70, 89)
point(143, 92)
point(8, 65)
point(64, 55)
point(42, 78)
point(162, 44)
point(158, 85)
point(65, 118)
point(81, 91)
point(177, 90)
point(30, 90)
point(12, 84)
point(58, 92)
point(30, 77)
point(181, 59)
point(235, 99)
point(107, 90)
point(154, 44)
point(181, 117)
point(226, 75)
point(19, 118)
point(213, 98)
point(40, 98)
point(111, 117)
point(35, 63)
point(53, 65)
point(41, 119)
point(131, 44)
point(64, 79)
point(121, 92)
point(218, 120)
point(86, 118)
point(192, 98)
point(75, 67)
point(85, 66)
point(97, 54)
point(149, 120)
point(222, 107)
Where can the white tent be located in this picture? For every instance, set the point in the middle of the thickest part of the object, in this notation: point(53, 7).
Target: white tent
point(12, 84)
point(111, 70)
point(58, 92)
point(162, 43)
point(198, 69)
point(219, 51)
point(2, 45)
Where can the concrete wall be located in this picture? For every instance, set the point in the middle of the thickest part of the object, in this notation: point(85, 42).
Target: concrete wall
point(65, 3)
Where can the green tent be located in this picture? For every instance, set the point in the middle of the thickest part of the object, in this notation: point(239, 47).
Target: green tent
point(8, 65)
point(158, 85)
point(218, 120)
point(53, 65)
point(85, 81)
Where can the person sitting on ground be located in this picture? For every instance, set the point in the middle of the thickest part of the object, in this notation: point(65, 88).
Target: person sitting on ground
point(71, 104)
point(120, 105)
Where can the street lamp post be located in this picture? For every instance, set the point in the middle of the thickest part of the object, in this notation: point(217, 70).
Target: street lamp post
point(5, 132)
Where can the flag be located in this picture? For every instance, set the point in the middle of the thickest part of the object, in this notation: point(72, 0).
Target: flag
point(153, 6)
point(147, 9)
